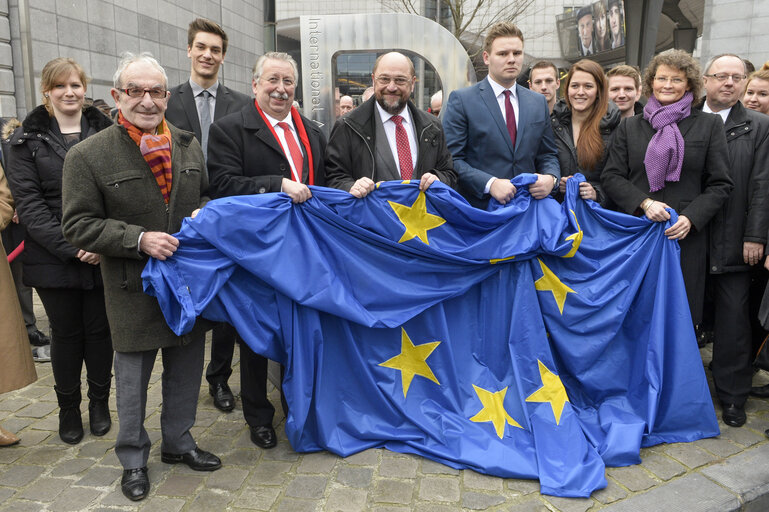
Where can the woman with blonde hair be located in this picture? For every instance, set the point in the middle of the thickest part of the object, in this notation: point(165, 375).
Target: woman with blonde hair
point(67, 279)
point(757, 90)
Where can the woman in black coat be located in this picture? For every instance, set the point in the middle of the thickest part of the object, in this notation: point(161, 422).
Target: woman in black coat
point(672, 156)
point(66, 278)
point(584, 124)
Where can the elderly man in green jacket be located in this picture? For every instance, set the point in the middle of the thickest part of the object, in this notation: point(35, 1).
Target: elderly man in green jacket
point(124, 191)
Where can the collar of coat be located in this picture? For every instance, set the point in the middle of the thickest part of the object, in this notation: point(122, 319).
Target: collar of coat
point(40, 121)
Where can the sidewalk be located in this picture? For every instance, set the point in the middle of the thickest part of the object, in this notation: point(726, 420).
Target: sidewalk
point(43, 473)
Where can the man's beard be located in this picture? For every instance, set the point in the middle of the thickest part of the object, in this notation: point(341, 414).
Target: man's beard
point(391, 109)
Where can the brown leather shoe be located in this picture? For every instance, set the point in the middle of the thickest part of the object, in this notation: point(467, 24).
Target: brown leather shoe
point(8, 438)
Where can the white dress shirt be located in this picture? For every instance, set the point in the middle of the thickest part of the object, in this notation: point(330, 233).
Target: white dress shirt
point(282, 139)
point(408, 125)
point(723, 113)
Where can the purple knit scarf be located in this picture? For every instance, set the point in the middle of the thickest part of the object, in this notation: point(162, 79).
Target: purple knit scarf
point(665, 152)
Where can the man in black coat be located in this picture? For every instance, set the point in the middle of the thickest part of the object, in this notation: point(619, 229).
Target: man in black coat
point(265, 147)
point(387, 137)
point(190, 108)
point(738, 234)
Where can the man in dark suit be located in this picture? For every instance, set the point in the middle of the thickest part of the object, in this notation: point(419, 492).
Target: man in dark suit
point(190, 108)
point(388, 138)
point(497, 129)
point(267, 146)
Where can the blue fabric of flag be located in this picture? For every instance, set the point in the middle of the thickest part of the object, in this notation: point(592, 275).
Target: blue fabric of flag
point(535, 340)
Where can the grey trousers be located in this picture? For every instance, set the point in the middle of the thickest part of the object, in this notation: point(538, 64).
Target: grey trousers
point(182, 372)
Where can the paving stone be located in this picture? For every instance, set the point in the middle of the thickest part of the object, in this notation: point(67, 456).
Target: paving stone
point(304, 486)
point(529, 505)
point(473, 480)
point(295, 505)
point(99, 476)
point(17, 424)
point(215, 444)
point(632, 477)
point(480, 501)
point(207, 500)
point(159, 504)
point(74, 499)
point(37, 410)
point(400, 467)
point(570, 504)
point(721, 448)
point(439, 489)
point(11, 454)
point(436, 507)
point(389, 508)
point(20, 475)
point(320, 462)
point(179, 485)
point(227, 478)
point(436, 468)
point(47, 454)
point(22, 506)
point(662, 466)
point(689, 455)
point(354, 476)
point(257, 498)
point(692, 493)
point(522, 487)
point(245, 457)
point(49, 424)
point(115, 496)
point(393, 491)
point(611, 493)
point(6, 492)
point(72, 467)
point(269, 473)
point(282, 452)
point(346, 500)
point(32, 437)
point(95, 449)
point(13, 404)
point(746, 473)
point(745, 436)
point(364, 458)
point(45, 489)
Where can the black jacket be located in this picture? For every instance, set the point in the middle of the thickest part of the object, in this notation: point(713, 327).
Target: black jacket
point(745, 214)
point(567, 152)
point(350, 154)
point(35, 160)
point(182, 111)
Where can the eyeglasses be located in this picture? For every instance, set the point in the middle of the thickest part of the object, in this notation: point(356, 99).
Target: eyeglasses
point(722, 77)
point(400, 81)
point(675, 80)
point(274, 81)
point(156, 93)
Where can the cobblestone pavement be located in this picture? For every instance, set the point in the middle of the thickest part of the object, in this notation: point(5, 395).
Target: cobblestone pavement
point(44, 474)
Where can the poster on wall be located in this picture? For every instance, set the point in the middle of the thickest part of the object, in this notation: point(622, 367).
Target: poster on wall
point(592, 29)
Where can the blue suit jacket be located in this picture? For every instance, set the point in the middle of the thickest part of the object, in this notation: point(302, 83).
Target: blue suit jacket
point(476, 135)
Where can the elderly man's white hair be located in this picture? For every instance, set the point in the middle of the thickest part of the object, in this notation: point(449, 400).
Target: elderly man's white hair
point(257, 71)
point(438, 96)
point(128, 58)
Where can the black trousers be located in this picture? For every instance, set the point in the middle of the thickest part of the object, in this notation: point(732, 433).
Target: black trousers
point(223, 340)
point(257, 408)
point(79, 333)
point(732, 351)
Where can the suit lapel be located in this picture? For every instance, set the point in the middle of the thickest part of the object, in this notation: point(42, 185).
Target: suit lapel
point(487, 93)
point(525, 111)
point(190, 108)
point(222, 102)
point(254, 122)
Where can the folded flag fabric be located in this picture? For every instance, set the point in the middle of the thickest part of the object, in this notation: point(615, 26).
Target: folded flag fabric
point(535, 340)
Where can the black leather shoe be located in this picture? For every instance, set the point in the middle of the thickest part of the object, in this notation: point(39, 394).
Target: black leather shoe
point(263, 436)
point(734, 415)
point(223, 397)
point(37, 338)
point(760, 391)
point(197, 459)
point(135, 484)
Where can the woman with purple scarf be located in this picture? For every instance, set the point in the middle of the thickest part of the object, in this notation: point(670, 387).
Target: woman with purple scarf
point(672, 157)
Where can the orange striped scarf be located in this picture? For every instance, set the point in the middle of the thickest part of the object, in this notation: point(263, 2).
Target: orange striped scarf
point(156, 150)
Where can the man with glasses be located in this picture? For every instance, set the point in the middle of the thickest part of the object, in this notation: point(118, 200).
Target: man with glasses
point(267, 146)
point(387, 137)
point(124, 190)
point(738, 234)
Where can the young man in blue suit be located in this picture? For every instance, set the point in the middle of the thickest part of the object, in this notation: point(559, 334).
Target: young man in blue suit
point(496, 129)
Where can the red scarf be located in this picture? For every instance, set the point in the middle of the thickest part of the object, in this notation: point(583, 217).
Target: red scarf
point(156, 150)
point(302, 137)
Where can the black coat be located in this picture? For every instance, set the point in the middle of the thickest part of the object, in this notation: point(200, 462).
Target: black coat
point(244, 157)
point(745, 214)
point(567, 152)
point(35, 160)
point(352, 146)
point(699, 194)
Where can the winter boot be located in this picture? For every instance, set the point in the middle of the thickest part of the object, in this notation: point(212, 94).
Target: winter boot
point(98, 408)
point(70, 423)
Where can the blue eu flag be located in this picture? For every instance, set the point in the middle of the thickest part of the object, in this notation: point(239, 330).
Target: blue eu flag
point(537, 340)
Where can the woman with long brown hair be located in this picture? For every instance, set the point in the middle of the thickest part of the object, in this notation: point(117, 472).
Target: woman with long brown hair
point(583, 124)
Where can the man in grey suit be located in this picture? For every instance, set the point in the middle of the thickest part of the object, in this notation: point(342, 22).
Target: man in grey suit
point(193, 106)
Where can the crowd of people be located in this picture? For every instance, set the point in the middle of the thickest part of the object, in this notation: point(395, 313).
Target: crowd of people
point(681, 144)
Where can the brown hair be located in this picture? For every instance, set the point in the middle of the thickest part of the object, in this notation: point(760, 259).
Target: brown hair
point(676, 59)
point(205, 25)
point(54, 72)
point(544, 64)
point(590, 143)
point(628, 71)
point(501, 29)
point(761, 74)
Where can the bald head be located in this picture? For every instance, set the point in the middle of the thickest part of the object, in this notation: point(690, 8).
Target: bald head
point(345, 104)
point(395, 58)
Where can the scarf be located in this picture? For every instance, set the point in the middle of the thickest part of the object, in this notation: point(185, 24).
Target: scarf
point(665, 152)
point(156, 150)
point(302, 137)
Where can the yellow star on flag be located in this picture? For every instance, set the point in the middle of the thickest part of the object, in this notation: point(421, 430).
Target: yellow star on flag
point(416, 219)
point(412, 361)
point(549, 282)
point(552, 392)
point(576, 238)
point(493, 410)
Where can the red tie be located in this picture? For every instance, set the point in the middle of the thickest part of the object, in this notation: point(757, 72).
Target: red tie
point(404, 150)
point(510, 115)
point(293, 149)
